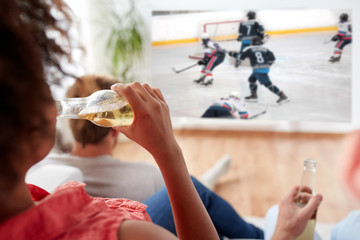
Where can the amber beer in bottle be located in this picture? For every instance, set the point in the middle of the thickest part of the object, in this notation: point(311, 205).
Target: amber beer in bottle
point(105, 108)
point(306, 191)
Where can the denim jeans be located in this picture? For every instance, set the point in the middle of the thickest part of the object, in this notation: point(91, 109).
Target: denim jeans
point(226, 220)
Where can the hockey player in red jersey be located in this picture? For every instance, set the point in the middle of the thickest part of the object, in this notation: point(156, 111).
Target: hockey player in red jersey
point(213, 56)
point(342, 38)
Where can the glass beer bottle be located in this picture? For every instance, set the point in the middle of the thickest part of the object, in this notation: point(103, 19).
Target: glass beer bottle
point(105, 108)
point(306, 191)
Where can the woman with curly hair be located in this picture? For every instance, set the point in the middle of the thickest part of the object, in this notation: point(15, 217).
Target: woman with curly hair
point(29, 56)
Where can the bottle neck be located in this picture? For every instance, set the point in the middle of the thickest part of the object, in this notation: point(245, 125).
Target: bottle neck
point(70, 107)
point(308, 176)
point(308, 180)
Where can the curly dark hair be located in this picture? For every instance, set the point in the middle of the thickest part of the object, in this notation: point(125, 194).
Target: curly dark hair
point(29, 56)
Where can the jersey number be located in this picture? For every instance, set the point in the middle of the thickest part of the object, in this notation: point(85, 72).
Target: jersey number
point(259, 57)
point(248, 29)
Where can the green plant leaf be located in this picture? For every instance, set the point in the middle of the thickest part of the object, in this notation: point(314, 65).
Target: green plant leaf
point(124, 40)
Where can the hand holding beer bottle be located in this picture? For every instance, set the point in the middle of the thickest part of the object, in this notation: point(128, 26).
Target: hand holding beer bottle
point(297, 210)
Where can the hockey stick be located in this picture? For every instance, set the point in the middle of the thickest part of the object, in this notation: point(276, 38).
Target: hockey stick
point(327, 41)
point(181, 70)
point(258, 114)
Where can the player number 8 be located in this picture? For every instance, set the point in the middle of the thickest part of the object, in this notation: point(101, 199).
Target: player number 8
point(259, 57)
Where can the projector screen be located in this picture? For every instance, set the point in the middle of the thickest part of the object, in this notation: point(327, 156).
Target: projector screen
point(319, 91)
point(324, 97)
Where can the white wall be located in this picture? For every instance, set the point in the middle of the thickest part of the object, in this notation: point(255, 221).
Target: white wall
point(93, 34)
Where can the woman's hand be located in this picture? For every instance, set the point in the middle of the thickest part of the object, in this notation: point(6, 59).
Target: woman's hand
point(152, 127)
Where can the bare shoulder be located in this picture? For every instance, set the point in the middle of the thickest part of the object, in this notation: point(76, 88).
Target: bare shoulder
point(139, 230)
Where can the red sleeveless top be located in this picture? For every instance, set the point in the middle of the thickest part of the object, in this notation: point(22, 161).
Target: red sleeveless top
point(70, 213)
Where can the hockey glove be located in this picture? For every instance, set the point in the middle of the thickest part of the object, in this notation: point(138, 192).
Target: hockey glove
point(244, 115)
point(335, 38)
point(201, 62)
point(233, 54)
point(239, 38)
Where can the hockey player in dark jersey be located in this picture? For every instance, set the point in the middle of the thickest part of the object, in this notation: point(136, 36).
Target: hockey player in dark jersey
point(261, 59)
point(213, 56)
point(247, 31)
point(342, 38)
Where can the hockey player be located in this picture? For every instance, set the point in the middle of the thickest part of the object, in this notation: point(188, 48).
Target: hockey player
point(261, 59)
point(247, 31)
point(342, 38)
point(213, 56)
point(229, 107)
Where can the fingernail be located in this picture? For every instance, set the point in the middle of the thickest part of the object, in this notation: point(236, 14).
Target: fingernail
point(113, 86)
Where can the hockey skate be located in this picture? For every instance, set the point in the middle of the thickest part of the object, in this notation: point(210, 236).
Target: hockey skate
point(283, 98)
point(334, 59)
point(252, 98)
point(208, 82)
point(237, 63)
point(200, 80)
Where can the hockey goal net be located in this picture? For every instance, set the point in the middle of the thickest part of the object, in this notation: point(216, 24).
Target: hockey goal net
point(224, 32)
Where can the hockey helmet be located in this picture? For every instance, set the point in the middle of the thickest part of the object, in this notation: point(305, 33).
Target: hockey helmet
point(344, 17)
point(205, 35)
point(257, 41)
point(251, 15)
point(235, 94)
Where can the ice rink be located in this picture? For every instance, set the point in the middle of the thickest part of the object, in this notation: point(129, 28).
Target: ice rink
point(318, 90)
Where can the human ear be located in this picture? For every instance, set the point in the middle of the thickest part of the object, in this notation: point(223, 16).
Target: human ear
point(350, 163)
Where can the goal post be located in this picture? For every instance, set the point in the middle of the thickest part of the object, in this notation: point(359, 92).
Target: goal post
point(219, 30)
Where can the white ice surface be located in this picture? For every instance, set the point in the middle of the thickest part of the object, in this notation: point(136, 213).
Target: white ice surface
point(319, 91)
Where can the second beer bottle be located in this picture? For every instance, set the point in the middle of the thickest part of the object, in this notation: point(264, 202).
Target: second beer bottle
point(306, 191)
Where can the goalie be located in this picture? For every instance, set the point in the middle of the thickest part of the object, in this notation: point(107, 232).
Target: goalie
point(213, 56)
point(230, 107)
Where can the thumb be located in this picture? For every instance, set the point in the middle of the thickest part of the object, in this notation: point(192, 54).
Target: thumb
point(311, 206)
